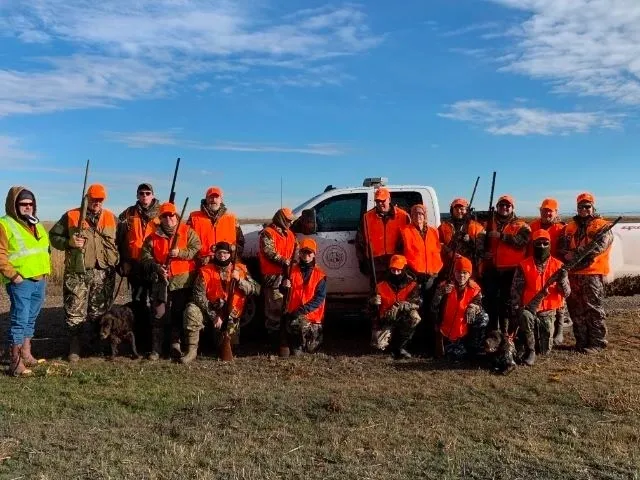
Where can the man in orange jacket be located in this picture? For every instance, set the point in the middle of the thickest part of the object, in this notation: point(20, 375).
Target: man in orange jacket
point(380, 229)
point(305, 311)
point(134, 225)
point(537, 309)
point(507, 241)
point(552, 223)
point(462, 319)
point(214, 223)
point(210, 295)
point(461, 231)
point(395, 309)
point(587, 280)
point(278, 248)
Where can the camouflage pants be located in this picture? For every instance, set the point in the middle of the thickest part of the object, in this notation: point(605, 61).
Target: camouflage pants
point(587, 311)
point(304, 334)
point(398, 329)
point(194, 318)
point(87, 296)
point(272, 308)
point(473, 342)
point(541, 327)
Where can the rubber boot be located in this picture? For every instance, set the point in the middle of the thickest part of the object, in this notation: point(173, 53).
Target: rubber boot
point(530, 350)
point(192, 346)
point(156, 343)
point(17, 367)
point(74, 344)
point(558, 334)
point(27, 358)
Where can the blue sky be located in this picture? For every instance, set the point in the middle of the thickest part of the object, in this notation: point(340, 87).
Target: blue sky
point(436, 92)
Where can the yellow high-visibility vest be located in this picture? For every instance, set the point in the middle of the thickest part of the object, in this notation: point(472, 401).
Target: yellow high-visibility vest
point(29, 256)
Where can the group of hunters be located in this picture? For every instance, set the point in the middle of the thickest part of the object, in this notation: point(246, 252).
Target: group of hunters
point(443, 291)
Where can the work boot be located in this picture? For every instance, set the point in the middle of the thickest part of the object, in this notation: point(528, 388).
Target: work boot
point(176, 353)
point(28, 359)
point(401, 354)
point(74, 345)
point(192, 346)
point(529, 350)
point(17, 367)
point(156, 343)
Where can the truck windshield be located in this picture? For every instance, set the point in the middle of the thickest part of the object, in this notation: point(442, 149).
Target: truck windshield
point(298, 210)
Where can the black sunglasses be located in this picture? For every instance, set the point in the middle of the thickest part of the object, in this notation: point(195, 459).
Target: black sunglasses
point(145, 194)
point(584, 207)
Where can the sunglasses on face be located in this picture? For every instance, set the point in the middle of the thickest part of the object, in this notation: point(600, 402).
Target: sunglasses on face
point(25, 204)
point(144, 194)
point(584, 207)
point(504, 205)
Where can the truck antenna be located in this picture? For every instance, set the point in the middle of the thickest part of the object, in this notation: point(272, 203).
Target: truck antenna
point(280, 191)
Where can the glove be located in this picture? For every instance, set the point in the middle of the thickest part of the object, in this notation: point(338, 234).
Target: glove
point(393, 311)
point(244, 286)
point(406, 306)
point(376, 300)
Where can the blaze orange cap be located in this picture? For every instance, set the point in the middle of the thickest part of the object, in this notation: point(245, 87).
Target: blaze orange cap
point(542, 233)
point(463, 264)
point(97, 190)
point(585, 197)
point(308, 244)
point(167, 208)
point(508, 199)
point(398, 261)
point(550, 203)
point(382, 194)
point(288, 213)
point(459, 201)
point(214, 191)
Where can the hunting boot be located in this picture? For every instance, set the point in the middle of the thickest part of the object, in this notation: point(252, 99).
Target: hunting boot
point(17, 367)
point(156, 343)
point(74, 344)
point(193, 338)
point(175, 344)
point(530, 349)
point(27, 358)
point(558, 334)
point(399, 344)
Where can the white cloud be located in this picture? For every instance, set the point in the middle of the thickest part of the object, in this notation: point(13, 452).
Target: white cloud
point(171, 137)
point(11, 150)
point(125, 50)
point(519, 121)
point(587, 47)
point(475, 27)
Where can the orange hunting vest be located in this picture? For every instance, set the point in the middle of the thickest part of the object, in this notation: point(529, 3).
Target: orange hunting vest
point(136, 233)
point(216, 290)
point(107, 221)
point(302, 293)
point(454, 325)
point(446, 231)
point(285, 246)
point(389, 296)
point(423, 254)
point(161, 246)
point(600, 265)
point(533, 282)
point(555, 229)
point(224, 230)
point(507, 256)
point(383, 236)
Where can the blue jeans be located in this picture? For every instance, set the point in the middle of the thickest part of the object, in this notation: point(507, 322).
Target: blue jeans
point(27, 299)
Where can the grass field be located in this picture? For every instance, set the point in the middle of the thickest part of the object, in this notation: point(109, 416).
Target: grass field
point(328, 416)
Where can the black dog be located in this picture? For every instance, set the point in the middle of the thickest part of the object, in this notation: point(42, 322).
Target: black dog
point(117, 325)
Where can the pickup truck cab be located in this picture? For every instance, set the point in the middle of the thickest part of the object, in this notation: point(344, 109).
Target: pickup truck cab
point(332, 217)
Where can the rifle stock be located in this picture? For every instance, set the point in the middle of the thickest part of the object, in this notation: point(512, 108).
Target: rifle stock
point(585, 252)
point(226, 352)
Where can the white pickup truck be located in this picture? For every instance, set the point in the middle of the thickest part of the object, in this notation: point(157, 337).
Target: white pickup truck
point(331, 218)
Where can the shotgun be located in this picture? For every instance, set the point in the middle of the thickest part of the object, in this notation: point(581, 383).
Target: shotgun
point(225, 351)
point(172, 245)
point(172, 195)
point(286, 275)
point(78, 257)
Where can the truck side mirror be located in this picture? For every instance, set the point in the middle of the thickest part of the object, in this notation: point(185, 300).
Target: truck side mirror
point(308, 225)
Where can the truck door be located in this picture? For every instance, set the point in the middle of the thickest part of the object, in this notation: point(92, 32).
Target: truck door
point(337, 220)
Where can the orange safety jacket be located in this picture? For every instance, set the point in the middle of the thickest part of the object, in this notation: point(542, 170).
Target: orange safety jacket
point(161, 245)
point(383, 236)
point(137, 232)
point(224, 230)
point(422, 253)
point(600, 265)
point(505, 255)
point(534, 281)
point(389, 296)
point(302, 293)
point(454, 324)
point(217, 289)
point(284, 245)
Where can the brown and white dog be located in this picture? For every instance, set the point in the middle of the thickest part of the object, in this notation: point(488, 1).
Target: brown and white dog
point(117, 325)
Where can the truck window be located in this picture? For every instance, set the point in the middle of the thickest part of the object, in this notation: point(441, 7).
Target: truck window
point(406, 200)
point(341, 213)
